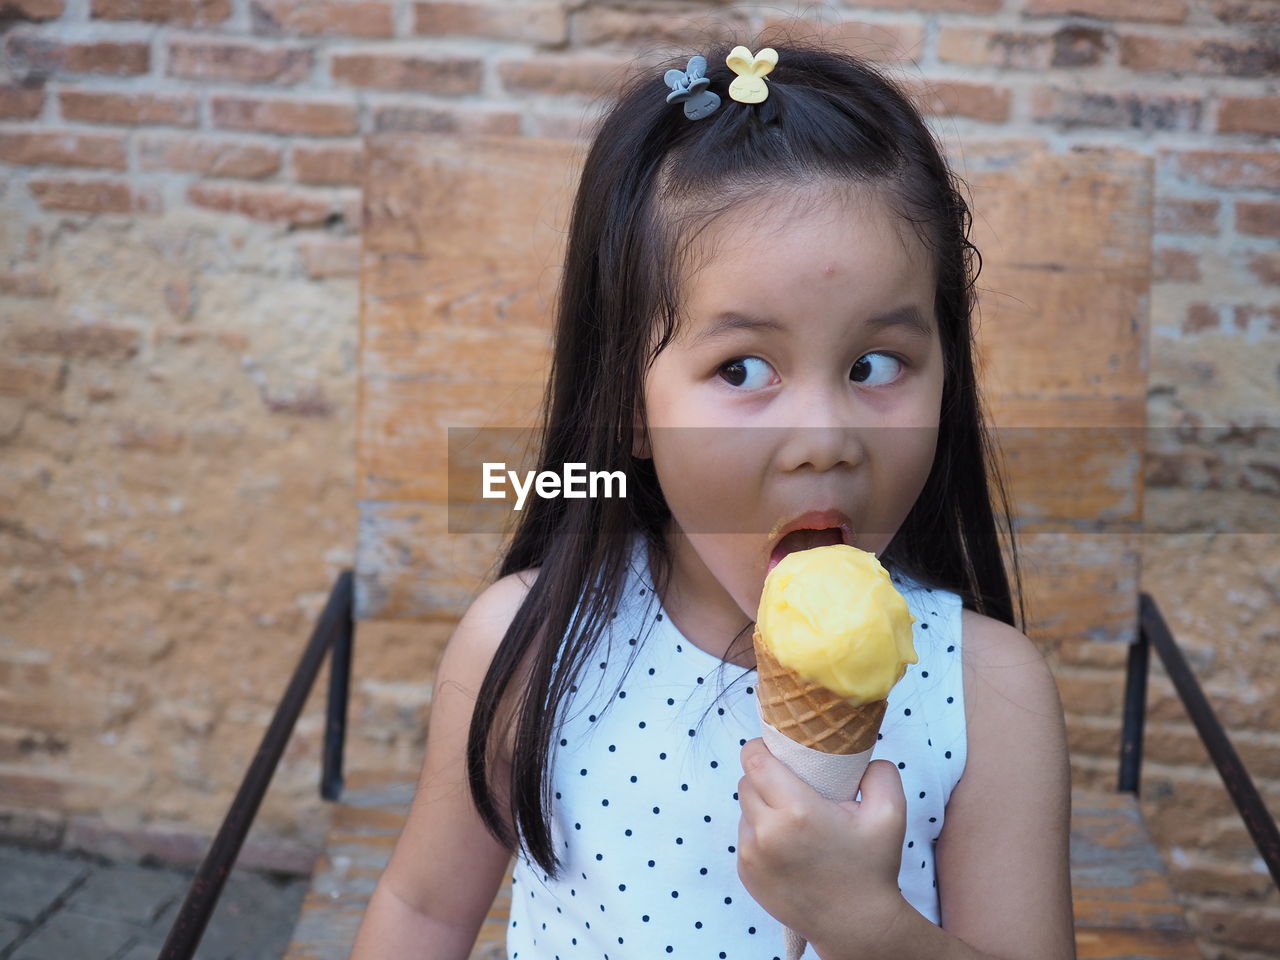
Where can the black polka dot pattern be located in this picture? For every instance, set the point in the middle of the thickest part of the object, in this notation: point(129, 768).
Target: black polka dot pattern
point(646, 810)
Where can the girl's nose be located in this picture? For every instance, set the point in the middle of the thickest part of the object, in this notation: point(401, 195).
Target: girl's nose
point(823, 434)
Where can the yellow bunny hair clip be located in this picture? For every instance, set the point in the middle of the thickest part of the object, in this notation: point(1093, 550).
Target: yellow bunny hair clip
point(749, 85)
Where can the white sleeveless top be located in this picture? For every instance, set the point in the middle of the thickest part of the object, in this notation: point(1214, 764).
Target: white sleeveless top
point(645, 812)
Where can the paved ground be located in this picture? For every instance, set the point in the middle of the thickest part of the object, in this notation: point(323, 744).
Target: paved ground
point(62, 906)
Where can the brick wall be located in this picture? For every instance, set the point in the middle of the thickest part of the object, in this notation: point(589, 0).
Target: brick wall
point(179, 236)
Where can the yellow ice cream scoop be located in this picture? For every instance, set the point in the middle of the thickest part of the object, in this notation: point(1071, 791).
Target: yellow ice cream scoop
point(833, 615)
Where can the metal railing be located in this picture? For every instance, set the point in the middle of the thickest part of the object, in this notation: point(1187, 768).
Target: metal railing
point(334, 631)
point(1154, 632)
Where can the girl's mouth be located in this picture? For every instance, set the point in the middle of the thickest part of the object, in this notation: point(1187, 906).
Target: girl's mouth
point(804, 540)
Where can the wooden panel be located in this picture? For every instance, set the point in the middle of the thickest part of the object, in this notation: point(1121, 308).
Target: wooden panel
point(1080, 586)
point(1124, 905)
point(462, 244)
point(404, 573)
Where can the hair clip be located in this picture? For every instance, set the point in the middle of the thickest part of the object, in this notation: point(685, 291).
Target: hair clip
point(749, 86)
point(689, 86)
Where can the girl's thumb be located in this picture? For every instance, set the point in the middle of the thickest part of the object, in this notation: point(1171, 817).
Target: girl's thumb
point(882, 796)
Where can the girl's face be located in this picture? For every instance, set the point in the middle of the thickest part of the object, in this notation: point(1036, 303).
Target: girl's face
point(786, 391)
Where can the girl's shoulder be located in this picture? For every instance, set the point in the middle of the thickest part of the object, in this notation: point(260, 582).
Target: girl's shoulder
point(471, 649)
point(1005, 672)
point(481, 629)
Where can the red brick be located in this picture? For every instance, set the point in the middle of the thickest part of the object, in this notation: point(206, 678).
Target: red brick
point(589, 76)
point(1194, 873)
point(349, 213)
point(21, 103)
point(1250, 926)
point(299, 208)
point(1084, 652)
point(930, 6)
point(1091, 692)
point(64, 148)
point(1185, 468)
point(41, 791)
point(1241, 169)
point(1173, 215)
point(98, 341)
point(1259, 218)
point(25, 281)
point(596, 25)
point(1265, 267)
point(877, 42)
point(34, 10)
point(1249, 115)
point(307, 401)
point(134, 109)
point(92, 196)
point(319, 118)
point(398, 71)
point(328, 165)
point(562, 124)
point(151, 437)
point(37, 57)
point(330, 256)
point(1200, 317)
point(955, 98)
point(238, 61)
point(208, 155)
point(544, 24)
point(1069, 108)
point(444, 120)
point(980, 46)
point(1223, 56)
point(189, 13)
point(1245, 11)
point(1148, 11)
point(1251, 318)
point(1176, 265)
point(359, 18)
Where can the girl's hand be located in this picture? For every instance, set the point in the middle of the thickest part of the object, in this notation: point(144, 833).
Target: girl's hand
point(827, 870)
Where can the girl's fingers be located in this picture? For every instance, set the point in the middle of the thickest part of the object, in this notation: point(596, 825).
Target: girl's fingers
point(777, 786)
point(746, 834)
point(749, 799)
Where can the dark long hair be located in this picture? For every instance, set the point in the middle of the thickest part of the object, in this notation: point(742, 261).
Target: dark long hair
point(828, 117)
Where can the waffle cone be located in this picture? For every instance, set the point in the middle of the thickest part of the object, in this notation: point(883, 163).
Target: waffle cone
point(810, 714)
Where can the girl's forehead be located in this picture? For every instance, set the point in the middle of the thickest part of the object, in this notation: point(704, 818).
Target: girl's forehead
point(832, 228)
point(758, 214)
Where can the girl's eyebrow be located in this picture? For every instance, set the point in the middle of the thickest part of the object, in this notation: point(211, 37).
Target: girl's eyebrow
point(908, 319)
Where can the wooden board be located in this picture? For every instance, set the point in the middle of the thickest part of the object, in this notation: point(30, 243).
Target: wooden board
point(462, 242)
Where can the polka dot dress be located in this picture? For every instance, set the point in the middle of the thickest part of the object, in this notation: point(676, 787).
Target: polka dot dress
point(645, 777)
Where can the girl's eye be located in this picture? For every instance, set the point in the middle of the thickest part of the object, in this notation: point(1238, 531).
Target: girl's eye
point(882, 373)
point(751, 372)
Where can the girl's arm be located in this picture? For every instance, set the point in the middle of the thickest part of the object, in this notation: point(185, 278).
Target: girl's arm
point(1004, 878)
point(445, 869)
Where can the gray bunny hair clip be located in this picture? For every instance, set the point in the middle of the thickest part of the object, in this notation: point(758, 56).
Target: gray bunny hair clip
point(689, 86)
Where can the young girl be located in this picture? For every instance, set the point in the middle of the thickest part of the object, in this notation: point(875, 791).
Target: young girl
point(765, 322)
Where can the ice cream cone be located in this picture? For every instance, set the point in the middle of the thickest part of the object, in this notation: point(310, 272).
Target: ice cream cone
point(810, 714)
point(833, 612)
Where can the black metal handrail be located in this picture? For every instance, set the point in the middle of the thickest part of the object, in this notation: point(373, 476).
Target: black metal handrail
point(1153, 631)
point(335, 630)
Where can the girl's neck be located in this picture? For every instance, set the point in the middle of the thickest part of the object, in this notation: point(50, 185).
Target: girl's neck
point(700, 608)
